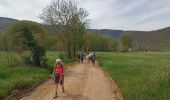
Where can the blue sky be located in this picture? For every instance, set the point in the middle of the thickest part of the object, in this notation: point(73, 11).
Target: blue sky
point(104, 14)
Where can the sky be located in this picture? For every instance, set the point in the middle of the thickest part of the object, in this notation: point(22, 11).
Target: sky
point(142, 15)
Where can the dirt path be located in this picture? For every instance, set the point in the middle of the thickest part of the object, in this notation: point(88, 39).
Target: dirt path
point(82, 82)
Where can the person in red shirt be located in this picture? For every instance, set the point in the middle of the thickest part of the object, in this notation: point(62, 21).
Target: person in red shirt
point(58, 74)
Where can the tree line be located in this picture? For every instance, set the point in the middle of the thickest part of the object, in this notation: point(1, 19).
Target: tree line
point(63, 29)
point(30, 36)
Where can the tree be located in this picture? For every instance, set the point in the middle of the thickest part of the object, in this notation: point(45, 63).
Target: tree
point(125, 42)
point(13, 32)
point(38, 53)
point(108, 43)
point(93, 41)
point(26, 35)
point(4, 45)
point(98, 42)
point(68, 20)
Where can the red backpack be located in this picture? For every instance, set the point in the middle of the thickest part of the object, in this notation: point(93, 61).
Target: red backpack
point(59, 68)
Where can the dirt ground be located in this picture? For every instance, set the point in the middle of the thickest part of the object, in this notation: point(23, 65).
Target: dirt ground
point(82, 82)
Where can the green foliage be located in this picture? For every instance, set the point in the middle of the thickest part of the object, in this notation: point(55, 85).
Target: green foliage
point(99, 42)
point(18, 78)
point(38, 53)
point(140, 76)
point(125, 42)
point(27, 35)
point(108, 43)
point(22, 77)
point(61, 55)
point(13, 33)
point(69, 21)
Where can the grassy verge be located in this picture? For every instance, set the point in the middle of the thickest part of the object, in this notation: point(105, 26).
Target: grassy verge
point(140, 76)
point(22, 77)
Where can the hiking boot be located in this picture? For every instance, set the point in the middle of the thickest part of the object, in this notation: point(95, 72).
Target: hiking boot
point(56, 95)
point(63, 89)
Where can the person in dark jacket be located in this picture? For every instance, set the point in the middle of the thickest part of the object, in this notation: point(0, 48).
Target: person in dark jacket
point(80, 57)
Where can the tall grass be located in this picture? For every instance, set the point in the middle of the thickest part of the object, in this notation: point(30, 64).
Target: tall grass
point(22, 77)
point(140, 76)
point(19, 77)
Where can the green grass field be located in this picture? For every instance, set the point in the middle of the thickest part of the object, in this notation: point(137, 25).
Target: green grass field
point(22, 77)
point(140, 76)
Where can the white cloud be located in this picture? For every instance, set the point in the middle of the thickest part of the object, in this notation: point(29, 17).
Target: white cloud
point(22, 9)
point(105, 14)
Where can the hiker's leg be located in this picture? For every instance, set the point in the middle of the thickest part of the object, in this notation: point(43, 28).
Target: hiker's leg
point(82, 60)
point(63, 90)
point(62, 84)
point(56, 86)
point(93, 62)
point(79, 60)
point(56, 82)
point(89, 60)
point(56, 89)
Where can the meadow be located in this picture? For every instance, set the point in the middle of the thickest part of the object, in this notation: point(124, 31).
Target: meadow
point(23, 77)
point(140, 76)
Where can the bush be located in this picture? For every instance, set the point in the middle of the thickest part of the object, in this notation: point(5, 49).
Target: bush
point(61, 55)
point(43, 61)
point(27, 60)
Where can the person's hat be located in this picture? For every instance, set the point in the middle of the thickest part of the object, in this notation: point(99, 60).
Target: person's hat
point(58, 60)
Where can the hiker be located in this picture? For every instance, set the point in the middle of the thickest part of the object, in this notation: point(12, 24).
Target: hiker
point(80, 57)
point(91, 57)
point(58, 74)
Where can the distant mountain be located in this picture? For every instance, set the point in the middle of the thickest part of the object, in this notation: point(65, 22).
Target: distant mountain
point(113, 33)
point(152, 40)
point(4, 22)
point(158, 40)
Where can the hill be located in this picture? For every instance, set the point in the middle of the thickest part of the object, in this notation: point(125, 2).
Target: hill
point(4, 22)
point(114, 33)
point(157, 40)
